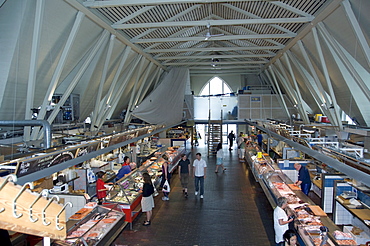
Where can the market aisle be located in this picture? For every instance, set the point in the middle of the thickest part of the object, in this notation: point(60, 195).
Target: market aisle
point(234, 211)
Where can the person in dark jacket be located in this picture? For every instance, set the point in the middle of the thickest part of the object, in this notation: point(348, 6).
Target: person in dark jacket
point(304, 179)
point(231, 138)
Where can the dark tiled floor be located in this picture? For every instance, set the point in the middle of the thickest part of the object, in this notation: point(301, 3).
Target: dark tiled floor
point(234, 211)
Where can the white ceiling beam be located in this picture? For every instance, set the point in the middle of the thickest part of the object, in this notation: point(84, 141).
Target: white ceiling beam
point(291, 9)
point(106, 101)
point(310, 83)
point(213, 23)
point(323, 14)
point(215, 49)
point(224, 37)
point(297, 89)
point(31, 85)
point(363, 84)
point(275, 83)
point(133, 15)
point(357, 29)
point(72, 85)
point(139, 72)
point(336, 114)
point(188, 10)
point(124, 80)
point(58, 71)
point(118, 3)
point(254, 68)
point(212, 56)
point(250, 15)
point(77, 5)
point(103, 78)
point(216, 63)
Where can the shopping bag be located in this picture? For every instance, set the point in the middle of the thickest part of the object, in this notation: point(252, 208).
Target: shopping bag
point(166, 187)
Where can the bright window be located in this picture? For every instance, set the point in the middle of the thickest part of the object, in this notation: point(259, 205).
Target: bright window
point(214, 87)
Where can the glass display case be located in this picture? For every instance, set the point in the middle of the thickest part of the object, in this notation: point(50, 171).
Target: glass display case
point(309, 218)
point(125, 192)
point(98, 227)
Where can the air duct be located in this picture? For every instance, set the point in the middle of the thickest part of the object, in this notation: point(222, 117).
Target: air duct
point(44, 123)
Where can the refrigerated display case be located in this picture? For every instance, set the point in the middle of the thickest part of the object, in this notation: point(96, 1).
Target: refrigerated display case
point(309, 217)
point(99, 226)
point(125, 192)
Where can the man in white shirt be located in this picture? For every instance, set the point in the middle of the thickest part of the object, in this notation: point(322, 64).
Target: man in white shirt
point(199, 173)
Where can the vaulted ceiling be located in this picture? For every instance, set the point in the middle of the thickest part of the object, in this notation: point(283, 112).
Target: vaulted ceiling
point(241, 35)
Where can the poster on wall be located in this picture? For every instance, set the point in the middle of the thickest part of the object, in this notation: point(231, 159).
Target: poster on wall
point(255, 99)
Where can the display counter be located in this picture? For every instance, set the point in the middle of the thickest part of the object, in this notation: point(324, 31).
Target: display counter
point(308, 217)
point(125, 192)
point(93, 226)
point(352, 207)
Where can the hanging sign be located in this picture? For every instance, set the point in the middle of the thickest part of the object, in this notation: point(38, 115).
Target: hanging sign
point(27, 166)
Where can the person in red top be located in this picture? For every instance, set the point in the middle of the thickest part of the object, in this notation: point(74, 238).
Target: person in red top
point(101, 190)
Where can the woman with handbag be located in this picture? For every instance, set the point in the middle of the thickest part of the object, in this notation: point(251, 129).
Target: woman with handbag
point(166, 176)
point(147, 201)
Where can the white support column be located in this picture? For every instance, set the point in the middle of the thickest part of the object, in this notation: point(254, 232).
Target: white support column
point(105, 102)
point(326, 101)
point(288, 87)
point(360, 96)
point(33, 65)
point(58, 71)
point(336, 114)
point(128, 113)
point(309, 82)
point(78, 76)
point(357, 29)
point(118, 93)
point(278, 89)
point(298, 91)
point(341, 54)
point(103, 77)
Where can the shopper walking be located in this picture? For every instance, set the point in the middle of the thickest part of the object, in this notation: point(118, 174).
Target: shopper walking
point(281, 220)
point(304, 179)
point(147, 201)
point(220, 158)
point(199, 173)
point(166, 175)
point(231, 138)
point(184, 167)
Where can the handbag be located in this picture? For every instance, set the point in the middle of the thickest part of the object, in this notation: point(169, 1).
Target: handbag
point(166, 187)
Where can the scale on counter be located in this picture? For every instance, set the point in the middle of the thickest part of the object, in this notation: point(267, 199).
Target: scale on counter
point(348, 194)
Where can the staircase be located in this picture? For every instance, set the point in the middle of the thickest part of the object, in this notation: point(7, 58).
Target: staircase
point(214, 135)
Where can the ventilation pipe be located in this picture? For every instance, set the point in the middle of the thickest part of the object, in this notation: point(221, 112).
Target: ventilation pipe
point(44, 123)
